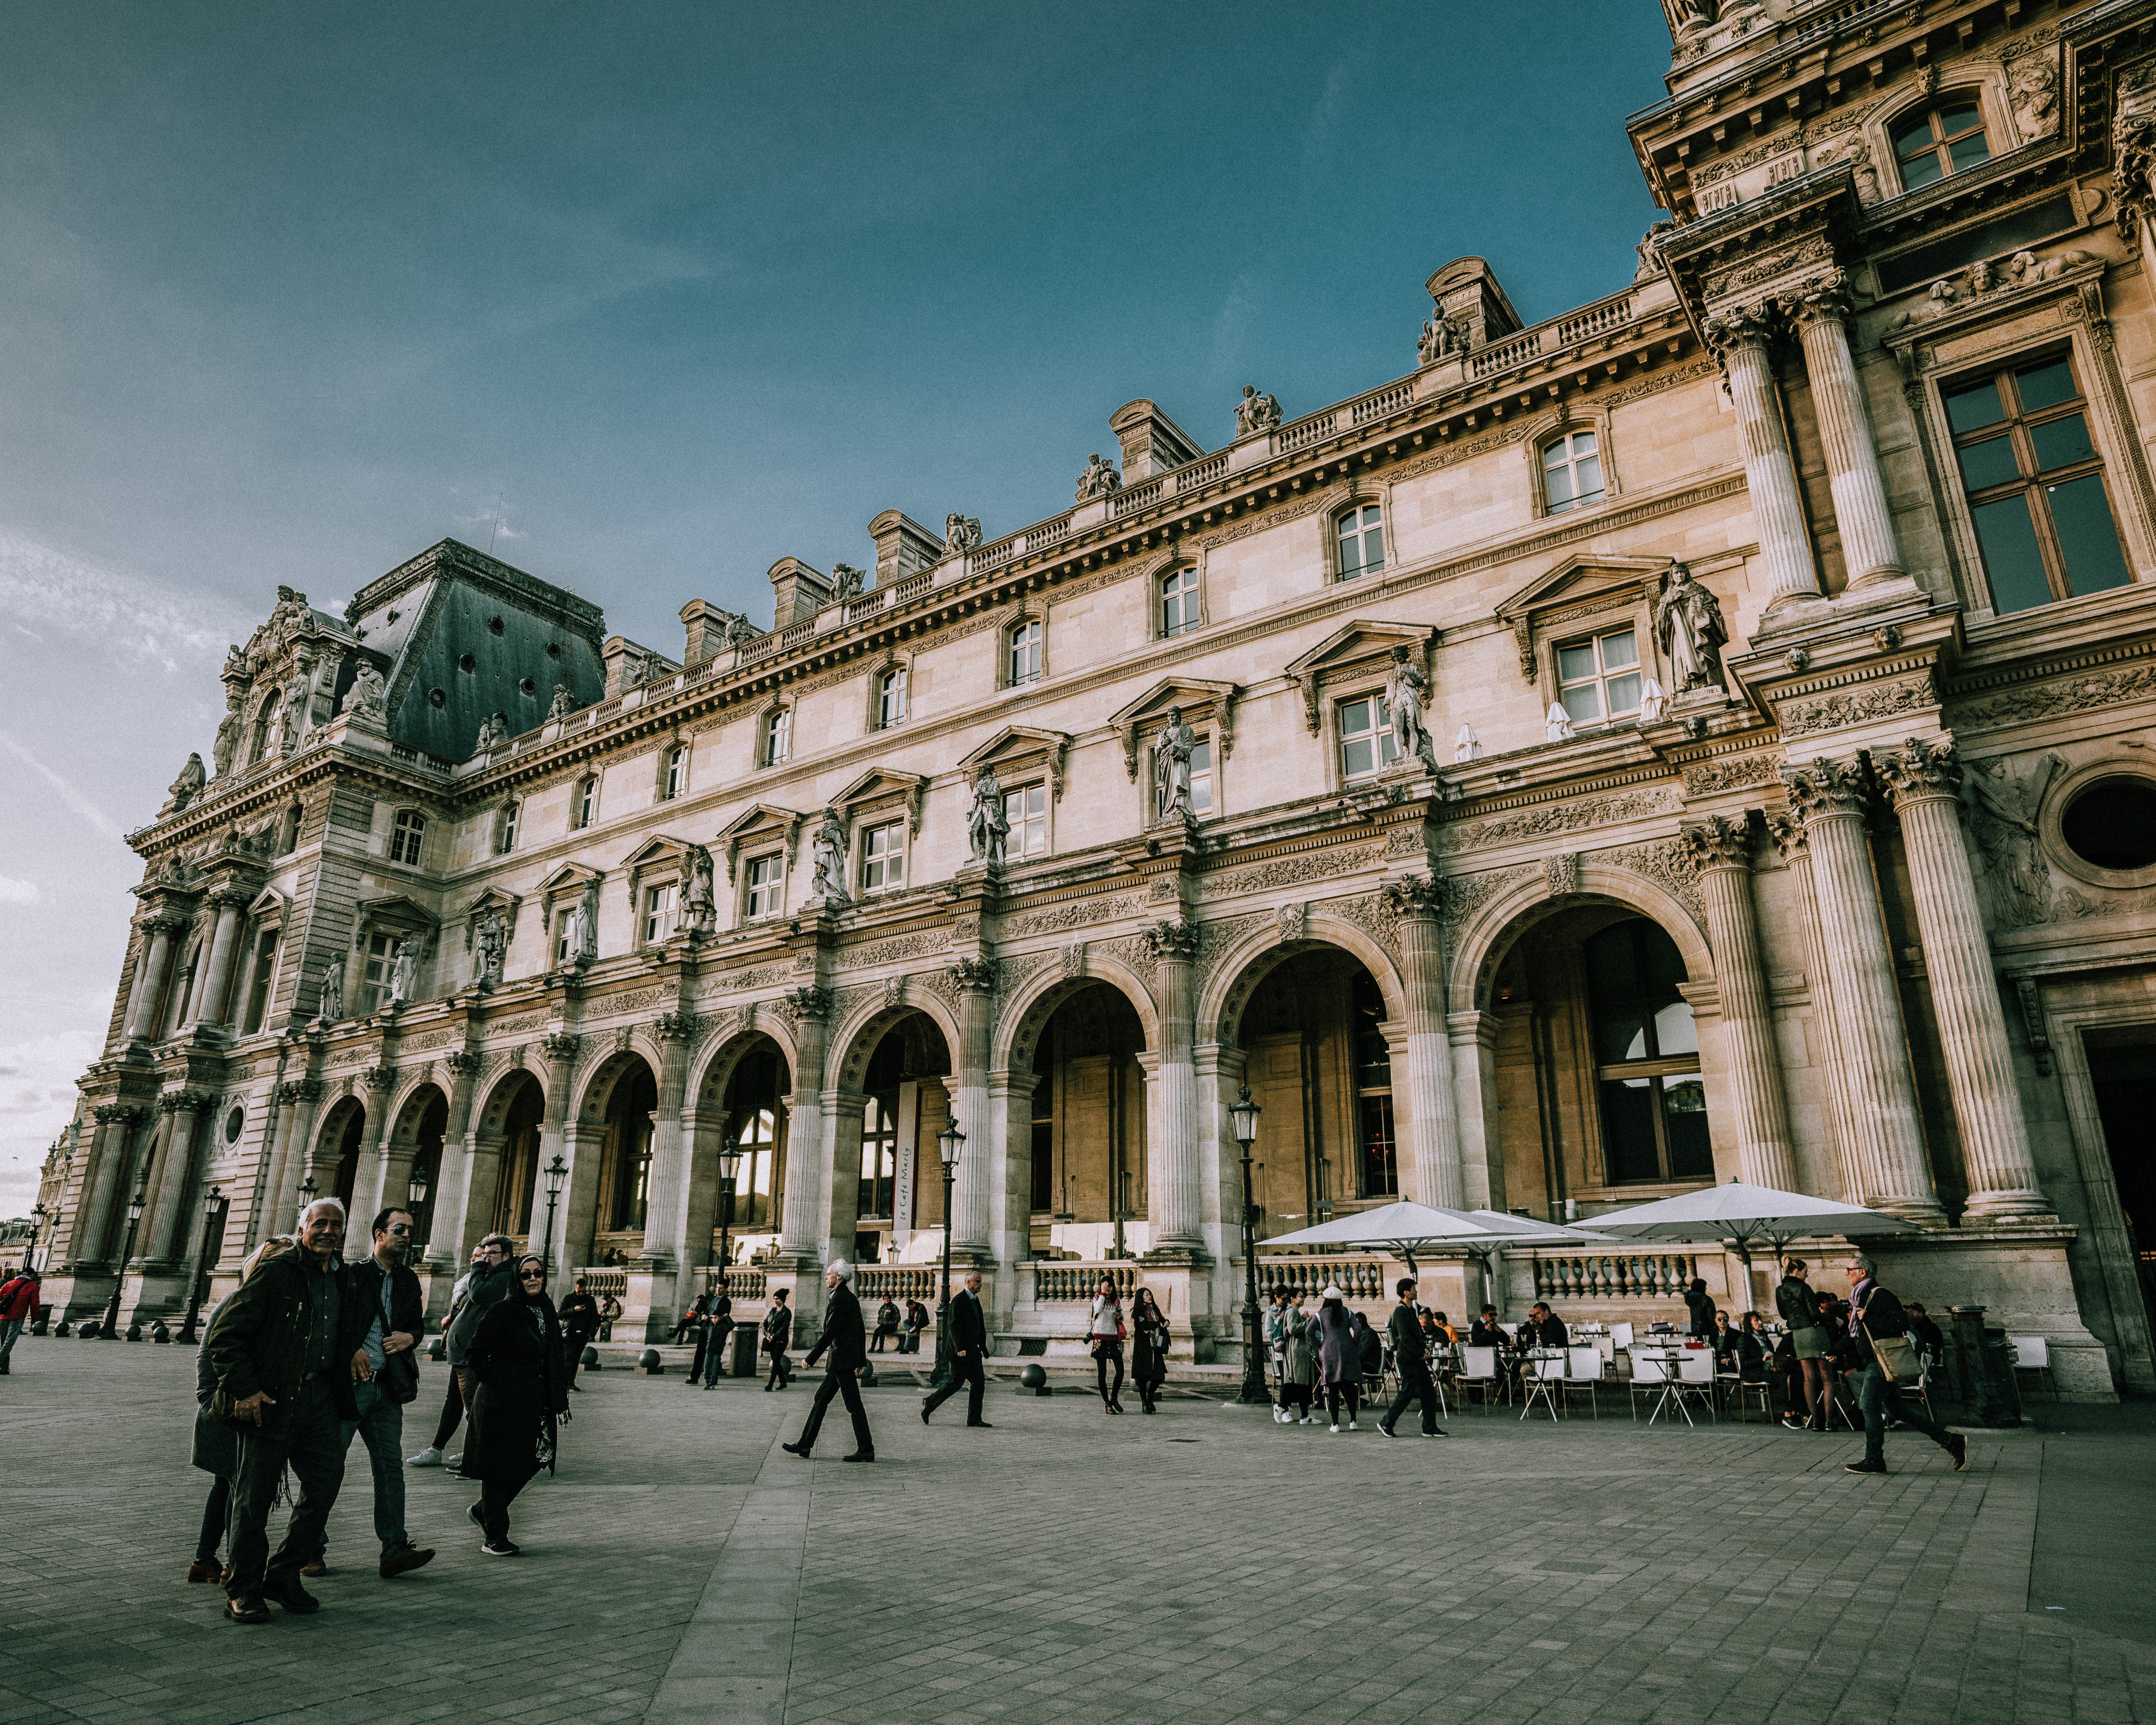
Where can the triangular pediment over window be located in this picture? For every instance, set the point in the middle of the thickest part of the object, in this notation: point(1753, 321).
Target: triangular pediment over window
point(1581, 586)
point(268, 904)
point(880, 785)
point(760, 820)
point(570, 877)
point(1352, 650)
point(1196, 697)
point(661, 855)
point(1017, 744)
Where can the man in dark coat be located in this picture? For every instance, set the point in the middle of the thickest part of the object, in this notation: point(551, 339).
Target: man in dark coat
point(386, 1293)
point(887, 1316)
point(969, 1346)
point(1411, 1359)
point(846, 1339)
point(579, 1314)
point(1875, 1315)
point(1486, 1331)
point(287, 1349)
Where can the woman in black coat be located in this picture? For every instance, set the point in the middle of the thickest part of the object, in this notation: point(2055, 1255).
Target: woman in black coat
point(523, 1396)
point(1148, 1348)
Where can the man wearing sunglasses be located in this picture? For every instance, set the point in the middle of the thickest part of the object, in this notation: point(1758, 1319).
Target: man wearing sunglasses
point(388, 1292)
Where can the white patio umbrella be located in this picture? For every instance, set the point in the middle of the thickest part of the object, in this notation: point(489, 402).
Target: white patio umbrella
point(1745, 1216)
point(1404, 1229)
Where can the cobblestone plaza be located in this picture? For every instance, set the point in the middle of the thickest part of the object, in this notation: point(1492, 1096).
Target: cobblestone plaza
point(1204, 1567)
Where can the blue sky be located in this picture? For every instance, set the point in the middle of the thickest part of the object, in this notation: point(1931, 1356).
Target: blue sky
point(295, 291)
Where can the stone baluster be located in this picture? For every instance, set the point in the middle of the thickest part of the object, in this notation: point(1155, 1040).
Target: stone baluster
point(1740, 336)
point(142, 1017)
point(1829, 797)
point(1435, 1170)
point(185, 1107)
point(1722, 851)
point(217, 969)
point(969, 1194)
point(1177, 1176)
point(1924, 779)
point(808, 1139)
point(1821, 311)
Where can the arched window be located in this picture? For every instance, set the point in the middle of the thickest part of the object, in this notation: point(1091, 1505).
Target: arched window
point(778, 736)
point(676, 778)
point(1646, 1053)
point(586, 808)
point(407, 837)
point(504, 838)
point(891, 698)
point(1027, 641)
point(1178, 601)
point(1942, 141)
point(1360, 533)
point(1379, 1172)
point(1572, 472)
point(259, 751)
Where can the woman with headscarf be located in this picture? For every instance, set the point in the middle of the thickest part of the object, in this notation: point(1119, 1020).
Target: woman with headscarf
point(516, 1355)
point(1339, 1355)
point(1148, 1348)
point(216, 1444)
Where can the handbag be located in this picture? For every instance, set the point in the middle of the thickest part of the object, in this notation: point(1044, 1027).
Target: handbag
point(1896, 1355)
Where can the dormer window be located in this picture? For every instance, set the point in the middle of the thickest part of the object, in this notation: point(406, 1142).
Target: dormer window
point(778, 736)
point(891, 698)
point(1360, 534)
point(1942, 141)
point(1572, 472)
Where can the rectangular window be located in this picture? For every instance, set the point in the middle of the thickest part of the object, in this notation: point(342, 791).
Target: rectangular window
point(760, 894)
point(1360, 537)
point(1178, 601)
point(2035, 483)
point(258, 987)
point(677, 771)
point(1380, 1158)
point(588, 802)
point(1366, 736)
point(778, 736)
point(882, 856)
point(878, 1157)
point(561, 939)
point(1026, 643)
point(406, 838)
point(1201, 777)
point(1572, 473)
point(891, 700)
point(658, 913)
point(374, 976)
point(1599, 679)
point(1026, 811)
point(505, 840)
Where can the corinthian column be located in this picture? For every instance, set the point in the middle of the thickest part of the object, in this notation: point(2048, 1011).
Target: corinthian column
point(450, 1203)
point(93, 1241)
point(1925, 780)
point(185, 1107)
point(1886, 1135)
point(807, 1137)
point(1177, 1177)
point(1869, 550)
point(1434, 1172)
point(217, 971)
point(1787, 833)
point(1722, 851)
point(1740, 336)
point(666, 1207)
point(969, 1195)
point(142, 1019)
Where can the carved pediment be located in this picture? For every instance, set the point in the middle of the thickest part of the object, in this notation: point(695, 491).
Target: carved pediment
point(1196, 697)
point(661, 855)
point(1016, 743)
point(880, 784)
point(572, 880)
point(268, 904)
point(1355, 648)
point(403, 917)
point(758, 820)
point(504, 905)
point(1580, 585)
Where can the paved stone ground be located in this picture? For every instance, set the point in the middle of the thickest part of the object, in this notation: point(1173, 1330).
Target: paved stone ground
point(1203, 1566)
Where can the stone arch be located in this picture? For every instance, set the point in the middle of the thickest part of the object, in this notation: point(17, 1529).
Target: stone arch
point(504, 1088)
point(406, 1112)
point(853, 1040)
point(595, 1085)
point(1019, 1025)
point(711, 1066)
point(1245, 962)
point(1481, 943)
point(336, 1122)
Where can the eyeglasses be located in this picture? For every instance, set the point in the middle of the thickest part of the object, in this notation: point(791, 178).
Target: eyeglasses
point(398, 1228)
point(533, 1276)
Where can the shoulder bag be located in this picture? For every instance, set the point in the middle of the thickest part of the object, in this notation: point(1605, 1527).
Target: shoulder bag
point(1896, 1355)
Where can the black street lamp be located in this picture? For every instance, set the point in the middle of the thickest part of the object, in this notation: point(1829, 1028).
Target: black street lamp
point(37, 1214)
point(212, 1205)
point(730, 1160)
point(419, 1196)
point(557, 1171)
point(309, 1191)
point(948, 1143)
point(110, 1332)
point(1243, 1114)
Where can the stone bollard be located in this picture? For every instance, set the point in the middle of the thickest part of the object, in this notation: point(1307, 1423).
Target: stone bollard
point(134, 1333)
point(589, 1360)
point(1032, 1379)
point(650, 1364)
point(159, 1333)
point(61, 1327)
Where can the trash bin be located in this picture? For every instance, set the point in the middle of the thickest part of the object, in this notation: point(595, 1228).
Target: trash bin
point(746, 1336)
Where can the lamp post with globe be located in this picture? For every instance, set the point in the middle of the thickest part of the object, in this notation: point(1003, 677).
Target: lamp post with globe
point(948, 1143)
point(213, 1207)
point(557, 1172)
point(1243, 1114)
point(110, 1332)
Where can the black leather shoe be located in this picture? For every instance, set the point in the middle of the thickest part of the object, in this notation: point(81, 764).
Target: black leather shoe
point(1958, 1447)
point(406, 1557)
point(1865, 1467)
point(980, 1424)
point(859, 1455)
point(795, 1450)
point(250, 1609)
point(924, 1410)
point(292, 1597)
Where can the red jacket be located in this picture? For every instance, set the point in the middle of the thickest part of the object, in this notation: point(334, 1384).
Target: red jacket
point(18, 1298)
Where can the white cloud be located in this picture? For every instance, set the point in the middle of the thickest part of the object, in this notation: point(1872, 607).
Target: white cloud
point(18, 892)
point(138, 617)
point(74, 799)
point(37, 1100)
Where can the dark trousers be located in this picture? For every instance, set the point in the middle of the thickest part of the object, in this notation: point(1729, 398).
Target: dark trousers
point(1106, 1348)
point(573, 1344)
point(468, 1388)
point(968, 1372)
point(494, 1498)
point(838, 1382)
point(877, 1341)
point(782, 1369)
point(452, 1413)
point(1415, 1386)
point(215, 1513)
point(703, 1347)
point(310, 1438)
point(714, 1354)
point(1880, 1398)
point(1333, 1392)
point(1295, 1398)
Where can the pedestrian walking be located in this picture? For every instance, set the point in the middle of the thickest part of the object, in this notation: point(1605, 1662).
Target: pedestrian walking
point(18, 1304)
point(522, 1401)
point(387, 1295)
point(581, 1319)
point(1149, 1344)
point(886, 1324)
point(286, 1350)
point(216, 1448)
point(1338, 1357)
point(1298, 1373)
point(492, 1280)
point(1795, 1300)
point(1879, 1328)
point(1107, 1329)
point(778, 1338)
point(453, 1399)
point(969, 1349)
point(846, 1342)
point(1276, 1334)
point(718, 1325)
point(1411, 1360)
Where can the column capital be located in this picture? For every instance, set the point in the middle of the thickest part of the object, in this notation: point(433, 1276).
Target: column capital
point(1719, 843)
point(183, 1102)
point(561, 1047)
point(1823, 298)
point(975, 976)
point(118, 1113)
point(1787, 833)
point(377, 1077)
point(1920, 769)
point(1729, 328)
point(464, 1064)
point(675, 1026)
point(312, 1090)
point(287, 1094)
point(1826, 789)
point(1415, 896)
point(1176, 941)
point(811, 1002)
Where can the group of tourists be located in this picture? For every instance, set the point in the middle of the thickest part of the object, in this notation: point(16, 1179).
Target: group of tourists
point(1338, 1348)
point(1145, 1328)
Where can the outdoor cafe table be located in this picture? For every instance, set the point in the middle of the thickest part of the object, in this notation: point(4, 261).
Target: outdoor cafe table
point(1533, 1385)
point(1672, 1359)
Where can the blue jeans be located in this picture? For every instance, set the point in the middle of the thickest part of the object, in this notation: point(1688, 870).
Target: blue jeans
point(1880, 1398)
point(381, 1426)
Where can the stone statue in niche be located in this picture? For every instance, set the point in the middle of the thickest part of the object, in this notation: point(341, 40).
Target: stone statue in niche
point(1857, 153)
point(1407, 690)
point(403, 973)
point(696, 895)
point(846, 580)
point(368, 699)
point(1558, 724)
point(1098, 479)
point(1255, 413)
point(1688, 625)
point(1171, 768)
point(563, 705)
point(987, 826)
point(298, 705)
point(581, 935)
point(2013, 850)
point(489, 946)
point(187, 787)
point(228, 735)
point(827, 855)
point(329, 1003)
point(961, 533)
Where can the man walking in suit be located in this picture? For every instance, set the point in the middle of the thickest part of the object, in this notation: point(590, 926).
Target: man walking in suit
point(845, 1338)
point(1411, 1357)
point(969, 1344)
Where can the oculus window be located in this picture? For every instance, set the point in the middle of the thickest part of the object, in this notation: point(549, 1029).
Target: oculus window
point(2112, 824)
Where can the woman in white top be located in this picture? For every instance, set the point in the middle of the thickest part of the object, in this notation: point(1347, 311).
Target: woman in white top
point(1108, 1330)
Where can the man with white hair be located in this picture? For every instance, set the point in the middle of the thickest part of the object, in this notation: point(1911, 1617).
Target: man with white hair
point(287, 1349)
point(845, 1338)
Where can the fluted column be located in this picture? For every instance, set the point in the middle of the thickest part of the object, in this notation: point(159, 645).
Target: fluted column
point(666, 1210)
point(1010, 1195)
point(305, 1154)
point(217, 970)
point(141, 1021)
point(185, 1107)
point(807, 1138)
point(94, 1238)
point(1925, 781)
point(1869, 549)
point(451, 1189)
point(278, 1160)
point(1435, 1174)
point(1787, 833)
point(1721, 851)
point(970, 1192)
point(1885, 1129)
point(1177, 1193)
point(371, 1178)
point(1740, 336)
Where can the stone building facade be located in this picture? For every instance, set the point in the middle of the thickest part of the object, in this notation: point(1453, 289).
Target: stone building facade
point(1704, 735)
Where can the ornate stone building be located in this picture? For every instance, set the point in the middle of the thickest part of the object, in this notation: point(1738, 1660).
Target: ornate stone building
point(1703, 734)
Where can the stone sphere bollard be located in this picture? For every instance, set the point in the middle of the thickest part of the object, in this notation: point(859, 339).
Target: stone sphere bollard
point(1032, 1377)
point(650, 1364)
point(89, 1330)
point(159, 1333)
point(61, 1327)
point(134, 1333)
point(589, 1360)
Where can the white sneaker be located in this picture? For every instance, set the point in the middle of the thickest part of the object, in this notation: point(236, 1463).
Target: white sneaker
point(1334, 1429)
point(1352, 1426)
point(1310, 1419)
point(429, 1457)
point(456, 1460)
